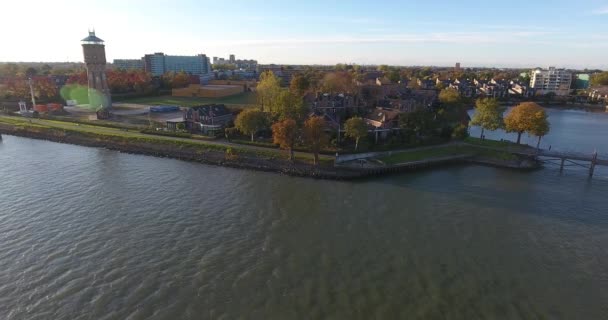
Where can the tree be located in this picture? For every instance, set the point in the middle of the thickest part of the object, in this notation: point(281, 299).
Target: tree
point(180, 80)
point(287, 105)
point(419, 122)
point(540, 125)
point(250, 121)
point(450, 97)
point(338, 82)
point(285, 133)
point(487, 115)
point(299, 84)
point(267, 89)
point(355, 128)
point(394, 76)
point(315, 136)
point(527, 117)
point(599, 79)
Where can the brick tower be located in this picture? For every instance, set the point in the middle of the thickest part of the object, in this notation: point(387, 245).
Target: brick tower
point(95, 61)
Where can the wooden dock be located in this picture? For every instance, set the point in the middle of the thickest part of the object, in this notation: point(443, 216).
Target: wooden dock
point(588, 161)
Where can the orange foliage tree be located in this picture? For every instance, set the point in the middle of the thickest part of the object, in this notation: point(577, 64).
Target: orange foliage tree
point(285, 133)
point(527, 117)
point(315, 136)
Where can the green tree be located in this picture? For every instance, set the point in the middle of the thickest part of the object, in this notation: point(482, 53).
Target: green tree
point(250, 121)
point(527, 117)
point(487, 115)
point(267, 90)
point(355, 128)
point(315, 136)
point(394, 76)
point(287, 105)
point(285, 133)
point(419, 122)
point(599, 79)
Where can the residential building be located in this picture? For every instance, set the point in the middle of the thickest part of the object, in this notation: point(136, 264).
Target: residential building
point(129, 64)
point(207, 119)
point(465, 87)
point(599, 93)
point(383, 118)
point(552, 80)
point(158, 64)
point(521, 89)
point(245, 64)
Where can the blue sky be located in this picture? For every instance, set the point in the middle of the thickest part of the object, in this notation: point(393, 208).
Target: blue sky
point(511, 33)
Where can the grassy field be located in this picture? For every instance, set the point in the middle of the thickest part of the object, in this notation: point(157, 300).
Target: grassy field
point(446, 151)
point(241, 100)
point(430, 153)
point(136, 136)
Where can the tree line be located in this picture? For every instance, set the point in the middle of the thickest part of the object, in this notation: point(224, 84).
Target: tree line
point(526, 117)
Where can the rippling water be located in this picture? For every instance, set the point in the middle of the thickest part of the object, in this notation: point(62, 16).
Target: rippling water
point(94, 234)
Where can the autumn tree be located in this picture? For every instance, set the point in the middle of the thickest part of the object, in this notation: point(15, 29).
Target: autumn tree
point(315, 136)
point(355, 128)
point(450, 97)
point(285, 133)
point(267, 90)
point(527, 117)
point(250, 121)
point(338, 82)
point(299, 84)
point(540, 125)
point(180, 80)
point(487, 115)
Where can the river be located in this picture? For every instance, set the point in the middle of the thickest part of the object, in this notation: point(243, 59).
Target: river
point(89, 233)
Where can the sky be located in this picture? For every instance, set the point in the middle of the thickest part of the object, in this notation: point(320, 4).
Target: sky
point(514, 33)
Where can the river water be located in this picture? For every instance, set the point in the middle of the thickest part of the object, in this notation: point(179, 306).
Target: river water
point(95, 234)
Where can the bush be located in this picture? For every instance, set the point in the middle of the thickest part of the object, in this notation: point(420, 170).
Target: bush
point(461, 132)
point(229, 133)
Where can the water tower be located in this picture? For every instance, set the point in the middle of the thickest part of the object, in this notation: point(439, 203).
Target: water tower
point(95, 61)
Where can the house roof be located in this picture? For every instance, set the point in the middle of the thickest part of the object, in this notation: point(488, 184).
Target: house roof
point(211, 110)
point(383, 115)
point(600, 89)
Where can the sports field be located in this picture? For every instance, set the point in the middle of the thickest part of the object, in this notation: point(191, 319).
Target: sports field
point(242, 100)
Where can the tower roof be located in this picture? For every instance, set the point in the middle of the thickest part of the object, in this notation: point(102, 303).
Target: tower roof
point(92, 38)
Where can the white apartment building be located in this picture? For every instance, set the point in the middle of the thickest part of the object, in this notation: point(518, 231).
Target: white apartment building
point(558, 81)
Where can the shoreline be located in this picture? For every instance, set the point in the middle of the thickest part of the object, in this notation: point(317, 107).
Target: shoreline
point(240, 161)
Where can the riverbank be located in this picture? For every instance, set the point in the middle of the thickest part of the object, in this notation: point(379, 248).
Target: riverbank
point(251, 158)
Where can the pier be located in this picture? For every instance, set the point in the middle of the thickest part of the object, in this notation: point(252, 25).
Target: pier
point(565, 159)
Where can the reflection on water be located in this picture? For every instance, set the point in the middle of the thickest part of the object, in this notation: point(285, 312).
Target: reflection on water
point(571, 130)
point(95, 234)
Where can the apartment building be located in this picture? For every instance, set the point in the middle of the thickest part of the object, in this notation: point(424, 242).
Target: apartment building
point(128, 64)
point(552, 80)
point(159, 63)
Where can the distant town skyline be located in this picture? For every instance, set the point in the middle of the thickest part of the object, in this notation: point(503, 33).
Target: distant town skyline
point(501, 34)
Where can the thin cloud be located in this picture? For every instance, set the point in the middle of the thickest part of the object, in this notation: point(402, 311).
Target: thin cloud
point(601, 11)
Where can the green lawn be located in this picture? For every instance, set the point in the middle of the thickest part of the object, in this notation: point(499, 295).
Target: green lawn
point(240, 100)
point(446, 151)
point(417, 155)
